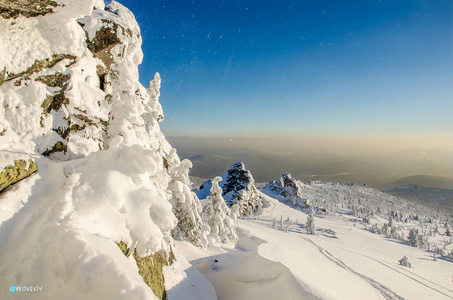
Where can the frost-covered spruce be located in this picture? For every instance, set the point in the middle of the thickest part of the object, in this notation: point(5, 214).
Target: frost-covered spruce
point(413, 237)
point(310, 224)
point(186, 206)
point(218, 216)
point(238, 187)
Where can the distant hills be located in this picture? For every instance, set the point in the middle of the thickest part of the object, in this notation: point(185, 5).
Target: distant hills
point(266, 166)
point(437, 198)
point(419, 180)
point(211, 157)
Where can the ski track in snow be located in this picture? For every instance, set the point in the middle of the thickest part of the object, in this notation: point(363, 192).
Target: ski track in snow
point(383, 290)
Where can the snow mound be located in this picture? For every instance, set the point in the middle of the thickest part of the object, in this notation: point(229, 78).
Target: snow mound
point(244, 274)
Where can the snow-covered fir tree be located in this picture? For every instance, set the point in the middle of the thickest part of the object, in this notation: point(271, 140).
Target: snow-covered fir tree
point(218, 215)
point(310, 225)
point(186, 206)
point(413, 237)
point(238, 187)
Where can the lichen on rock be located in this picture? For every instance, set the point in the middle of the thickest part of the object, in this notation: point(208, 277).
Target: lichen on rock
point(151, 269)
point(58, 147)
point(54, 102)
point(13, 174)
point(2, 76)
point(105, 39)
point(39, 65)
point(11, 9)
point(57, 80)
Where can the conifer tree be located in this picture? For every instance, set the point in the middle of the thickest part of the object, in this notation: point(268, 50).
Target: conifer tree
point(310, 225)
point(218, 215)
point(413, 237)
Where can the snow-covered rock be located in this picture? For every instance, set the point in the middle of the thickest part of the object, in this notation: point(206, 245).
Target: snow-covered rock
point(72, 105)
point(238, 186)
point(290, 189)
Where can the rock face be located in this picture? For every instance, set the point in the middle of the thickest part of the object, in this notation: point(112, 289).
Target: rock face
point(238, 187)
point(290, 189)
point(13, 8)
point(71, 106)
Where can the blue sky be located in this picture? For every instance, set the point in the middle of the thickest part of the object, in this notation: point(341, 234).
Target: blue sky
point(248, 68)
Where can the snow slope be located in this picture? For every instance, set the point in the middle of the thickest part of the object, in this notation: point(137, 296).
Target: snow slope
point(352, 264)
point(71, 101)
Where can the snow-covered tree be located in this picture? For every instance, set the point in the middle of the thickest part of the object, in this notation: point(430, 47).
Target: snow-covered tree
point(413, 237)
point(218, 215)
point(238, 187)
point(310, 225)
point(186, 206)
point(274, 224)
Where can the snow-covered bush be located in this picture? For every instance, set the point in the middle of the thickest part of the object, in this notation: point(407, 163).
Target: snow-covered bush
point(405, 262)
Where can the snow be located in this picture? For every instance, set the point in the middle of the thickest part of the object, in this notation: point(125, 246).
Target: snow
point(352, 264)
point(124, 182)
point(59, 228)
point(42, 238)
point(244, 274)
point(184, 281)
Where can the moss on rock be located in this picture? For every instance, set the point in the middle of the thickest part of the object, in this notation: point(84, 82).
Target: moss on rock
point(151, 269)
point(105, 39)
point(54, 102)
point(58, 147)
point(56, 80)
point(124, 248)
point(11, 9)
point(39, 65)
point(13, 174)
point(2, 76)
point(76, 127)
